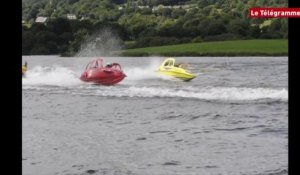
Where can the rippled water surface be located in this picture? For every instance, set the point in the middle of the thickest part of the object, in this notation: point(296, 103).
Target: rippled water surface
point(232, 119)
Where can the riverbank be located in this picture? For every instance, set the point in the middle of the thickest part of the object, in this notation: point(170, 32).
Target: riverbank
point(264, 47)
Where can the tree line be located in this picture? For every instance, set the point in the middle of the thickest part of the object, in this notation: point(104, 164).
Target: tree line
point(205, 20)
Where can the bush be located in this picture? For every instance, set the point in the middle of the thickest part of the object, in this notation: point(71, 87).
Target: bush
point(159, 41)
point(197, 39)
point(63, 48)
point(185, 40)
point(142, 42)
point(52, 47)
point(129, 45)
point(223, 37)
point(274, 35)
point(40, 51)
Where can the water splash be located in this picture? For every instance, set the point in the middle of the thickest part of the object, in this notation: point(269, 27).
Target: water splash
point(225, 94)
point(57, 76)
point(62, 76)
point(148, 72)
point(100, 43)
point(212, 93)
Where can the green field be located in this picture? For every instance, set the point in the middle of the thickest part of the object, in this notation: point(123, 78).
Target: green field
point(265, 47)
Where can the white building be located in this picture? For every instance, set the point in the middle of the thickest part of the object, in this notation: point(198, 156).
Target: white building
point(41, 19)
point(142, 7)
point(185, 7)
point(71, 16)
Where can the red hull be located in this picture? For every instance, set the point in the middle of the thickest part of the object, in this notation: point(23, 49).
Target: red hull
point(103, 76)
point(96, 73)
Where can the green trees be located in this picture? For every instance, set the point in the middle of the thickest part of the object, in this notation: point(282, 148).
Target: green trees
point(62, 36)
point(277, 29)
point(59, 26)
point(149, 22)
point(53, 38)
point(136, 24)
point(254, 31)
point(239, 27)
point(28, 41)
point(177, 13)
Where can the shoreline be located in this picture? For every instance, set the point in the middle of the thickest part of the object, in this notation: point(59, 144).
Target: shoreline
point(233, 48)
point(177, 55)
point(191, 54)
point(262, 47)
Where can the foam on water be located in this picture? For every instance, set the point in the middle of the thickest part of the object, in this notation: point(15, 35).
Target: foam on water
point(38, 77)
point(56, 76)
point(63, 76)
point(205, 93)
point(144, 73)
point(213, 93)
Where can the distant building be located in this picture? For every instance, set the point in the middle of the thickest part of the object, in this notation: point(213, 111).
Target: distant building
point(142, 7)
point(41, 19)
point(83, 17)
point(155, 8)
point(185, 7)
point(71, 16)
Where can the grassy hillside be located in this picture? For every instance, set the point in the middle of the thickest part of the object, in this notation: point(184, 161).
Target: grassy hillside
point(220, 48)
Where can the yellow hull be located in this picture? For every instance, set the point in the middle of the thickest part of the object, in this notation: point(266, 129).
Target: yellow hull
point(178, 74)
point(168, 68)
point(24, 69)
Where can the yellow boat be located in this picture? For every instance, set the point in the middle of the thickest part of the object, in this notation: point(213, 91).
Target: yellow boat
point(24, 68)
point(168, 67)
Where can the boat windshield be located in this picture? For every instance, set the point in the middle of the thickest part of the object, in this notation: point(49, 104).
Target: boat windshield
point(169, 62)
point(116, 66)
point(95, 64)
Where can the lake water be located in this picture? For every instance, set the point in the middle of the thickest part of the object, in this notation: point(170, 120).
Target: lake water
point(232, 119)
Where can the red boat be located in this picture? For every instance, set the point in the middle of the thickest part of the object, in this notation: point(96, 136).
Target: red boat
point(109, 75)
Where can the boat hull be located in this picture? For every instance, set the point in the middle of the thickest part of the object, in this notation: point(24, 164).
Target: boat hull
point(168, 67)
point(103, 76)
point(24, 69)
point(180, 74)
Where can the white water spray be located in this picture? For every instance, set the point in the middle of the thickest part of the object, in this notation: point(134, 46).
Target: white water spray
point(205, 93)
point(56, 76)
point(38, 77)
point(101, 43)
point(144, 73)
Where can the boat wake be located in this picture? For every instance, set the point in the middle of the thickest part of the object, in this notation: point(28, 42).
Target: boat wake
point(63, 76)
point(205, 93)
point(55, 76)
point(40, 78)
point(149, 72)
